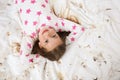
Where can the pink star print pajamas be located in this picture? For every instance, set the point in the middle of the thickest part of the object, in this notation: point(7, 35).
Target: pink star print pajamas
point(35, 14)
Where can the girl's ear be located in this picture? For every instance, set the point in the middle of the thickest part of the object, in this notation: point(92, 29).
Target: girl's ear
point(39, 45)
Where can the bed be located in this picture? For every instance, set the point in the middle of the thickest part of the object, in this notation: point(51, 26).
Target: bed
point(94, 56)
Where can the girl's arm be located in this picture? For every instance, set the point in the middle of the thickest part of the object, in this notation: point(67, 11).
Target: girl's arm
point(28, 16)
point(66, 25)
point(25, 50)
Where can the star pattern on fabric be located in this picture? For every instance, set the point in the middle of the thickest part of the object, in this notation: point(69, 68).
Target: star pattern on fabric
point(33, 1)
point(27, 55)
point(37, 55)
point(83, 29)
point(46, 1)
point(43, 25)
point(72, 39)
point(31, 60)
point(63, 24)
point(29, 45)
point(35, 23)
point(33, 35)
point(16, 2)
point(39, 13)
point(26, 22)
point(74, 27)
point(51, 27)
point(43, 5)
point(20, 10)
point(74, 33)
point(28, 11)
point(56, 24)
point(22, 1)
point(48, 18)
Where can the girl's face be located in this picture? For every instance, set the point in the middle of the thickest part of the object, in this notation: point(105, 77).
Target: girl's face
point(49, 39)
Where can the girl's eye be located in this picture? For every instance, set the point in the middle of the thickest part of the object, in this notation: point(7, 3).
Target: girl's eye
point(46, 41)
point(54, 35)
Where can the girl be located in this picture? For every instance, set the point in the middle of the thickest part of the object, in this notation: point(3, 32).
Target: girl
point(39, 23)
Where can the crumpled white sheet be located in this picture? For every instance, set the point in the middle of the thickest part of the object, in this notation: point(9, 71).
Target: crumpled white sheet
point(95, 56)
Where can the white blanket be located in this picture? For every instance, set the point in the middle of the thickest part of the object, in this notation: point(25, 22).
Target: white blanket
point(94, 56)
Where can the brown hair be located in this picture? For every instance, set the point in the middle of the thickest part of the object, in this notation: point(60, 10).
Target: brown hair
point(55, 54)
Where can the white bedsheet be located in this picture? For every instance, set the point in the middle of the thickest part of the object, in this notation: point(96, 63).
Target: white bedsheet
point(95, 56)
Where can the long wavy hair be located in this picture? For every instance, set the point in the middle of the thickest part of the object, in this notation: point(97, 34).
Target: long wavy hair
point(56, 53)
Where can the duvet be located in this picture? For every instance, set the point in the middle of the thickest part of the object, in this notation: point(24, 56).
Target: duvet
point(95, 55)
